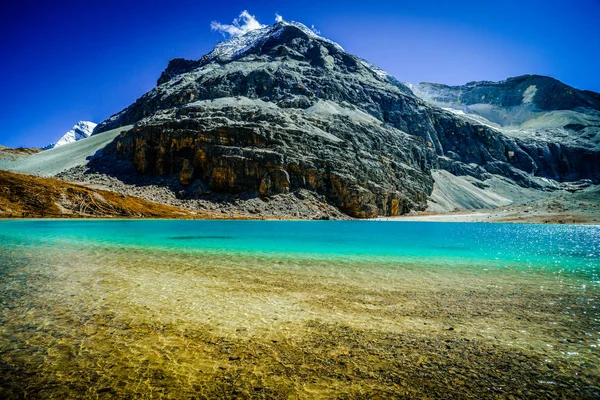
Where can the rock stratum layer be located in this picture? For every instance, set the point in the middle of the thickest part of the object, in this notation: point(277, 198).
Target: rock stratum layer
point(281, 109)
point(250, 145)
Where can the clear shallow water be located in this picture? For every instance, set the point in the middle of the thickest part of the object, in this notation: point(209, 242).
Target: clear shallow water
point(308, 309)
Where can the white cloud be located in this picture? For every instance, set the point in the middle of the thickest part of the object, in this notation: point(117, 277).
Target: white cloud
point(278, 18)
point(240, 26)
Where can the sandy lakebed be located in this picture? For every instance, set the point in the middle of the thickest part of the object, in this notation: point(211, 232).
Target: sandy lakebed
point(286, 309)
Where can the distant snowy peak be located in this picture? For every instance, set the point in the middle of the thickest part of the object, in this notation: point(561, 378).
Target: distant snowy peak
point(237, 46)
point(81, 130)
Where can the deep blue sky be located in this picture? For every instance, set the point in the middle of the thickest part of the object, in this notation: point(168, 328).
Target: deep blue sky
point(65, 61)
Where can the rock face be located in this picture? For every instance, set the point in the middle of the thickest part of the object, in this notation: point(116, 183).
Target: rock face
point(81, 130)
point(238, 145)
point(281, 109)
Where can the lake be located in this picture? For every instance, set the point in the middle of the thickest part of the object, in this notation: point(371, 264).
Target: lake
point(300, 309)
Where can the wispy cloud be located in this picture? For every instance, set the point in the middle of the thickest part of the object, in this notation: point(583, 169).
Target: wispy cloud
point(278, 18)
point(240, 26)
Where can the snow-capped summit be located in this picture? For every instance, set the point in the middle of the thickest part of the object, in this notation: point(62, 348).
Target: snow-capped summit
point(300, 41)
point(236, 46)
point(81, 130)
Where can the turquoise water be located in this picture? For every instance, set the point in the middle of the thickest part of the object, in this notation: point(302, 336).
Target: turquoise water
point(298, 309)
point(563, 246)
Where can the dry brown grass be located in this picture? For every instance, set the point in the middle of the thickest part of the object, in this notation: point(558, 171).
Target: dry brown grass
point(18, 150)
point(35, 197)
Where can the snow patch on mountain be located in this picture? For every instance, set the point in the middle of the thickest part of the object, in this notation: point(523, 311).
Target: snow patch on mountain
point(327, 107)
point(81, 130)
point(427, 93)
point(378, 71)
point(472, 118)
point(528, 94)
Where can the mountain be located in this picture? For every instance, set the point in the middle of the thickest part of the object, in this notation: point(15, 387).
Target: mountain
point(281, 110)
point(529, 106)
point(81, 130)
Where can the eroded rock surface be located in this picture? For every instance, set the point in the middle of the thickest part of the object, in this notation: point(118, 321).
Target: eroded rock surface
point(272, 151)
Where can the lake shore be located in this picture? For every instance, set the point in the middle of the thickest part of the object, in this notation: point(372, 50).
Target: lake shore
point(493, 216)
point(500, 216)
point(25, 196)
point(561, 207)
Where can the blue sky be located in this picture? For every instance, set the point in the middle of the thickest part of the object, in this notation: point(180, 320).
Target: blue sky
point(86, 60)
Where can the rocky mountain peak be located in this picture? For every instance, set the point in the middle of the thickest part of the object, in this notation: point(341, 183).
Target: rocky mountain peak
point(281, 109)
point(262, 41)
point(285, 63)
point(285, 40)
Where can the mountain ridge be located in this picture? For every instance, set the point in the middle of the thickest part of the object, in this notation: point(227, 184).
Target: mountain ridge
point(564, 96)
point(528, 107)
point(281, 110)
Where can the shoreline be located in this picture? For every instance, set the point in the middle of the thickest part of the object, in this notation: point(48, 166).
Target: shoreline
point(30, 197)
point(502, 216)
